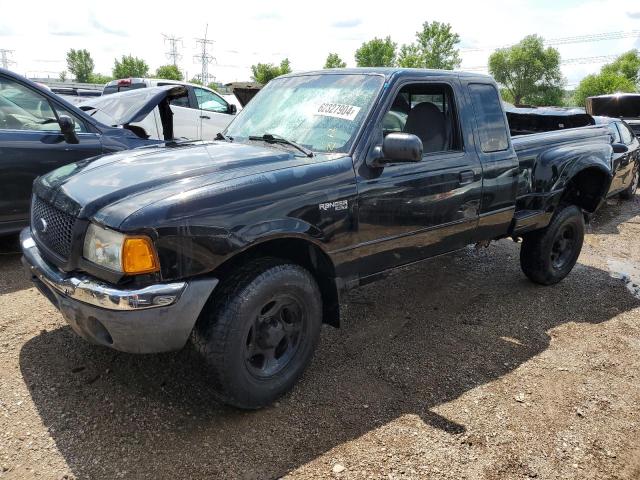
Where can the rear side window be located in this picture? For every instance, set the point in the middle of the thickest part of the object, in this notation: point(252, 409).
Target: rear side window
point(490, 118)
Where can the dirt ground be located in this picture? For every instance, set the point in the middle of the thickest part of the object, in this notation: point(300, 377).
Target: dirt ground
point(458, 368)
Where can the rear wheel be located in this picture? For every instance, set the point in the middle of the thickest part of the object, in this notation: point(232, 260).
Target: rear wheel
point(547, 256)
point(259, 331)
point(633, 188)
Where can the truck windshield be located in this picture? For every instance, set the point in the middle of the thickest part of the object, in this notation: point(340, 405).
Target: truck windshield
point(320, 112)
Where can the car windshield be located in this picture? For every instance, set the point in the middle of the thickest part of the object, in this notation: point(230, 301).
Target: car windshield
point(320, 112)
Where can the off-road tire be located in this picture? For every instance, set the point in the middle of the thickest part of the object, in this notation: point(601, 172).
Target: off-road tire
point(223, 330)
point(539, 257)
point(631, 190)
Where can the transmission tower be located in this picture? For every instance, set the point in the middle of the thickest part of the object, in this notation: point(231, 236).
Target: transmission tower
point(203, 57)
point(173, 55)
point(4, 58)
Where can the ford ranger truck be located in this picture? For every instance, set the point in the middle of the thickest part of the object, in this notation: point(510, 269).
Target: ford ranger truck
point(326, 181)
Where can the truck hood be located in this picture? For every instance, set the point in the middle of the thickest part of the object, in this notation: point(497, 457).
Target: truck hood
point(112, 187)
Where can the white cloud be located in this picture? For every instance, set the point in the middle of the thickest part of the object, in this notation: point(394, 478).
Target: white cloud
point(257, 31)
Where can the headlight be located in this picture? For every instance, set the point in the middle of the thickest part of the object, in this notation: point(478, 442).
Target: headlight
point(119, 252)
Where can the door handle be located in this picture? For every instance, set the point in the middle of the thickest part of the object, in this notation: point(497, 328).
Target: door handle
point(206, 117)
point(467, 177)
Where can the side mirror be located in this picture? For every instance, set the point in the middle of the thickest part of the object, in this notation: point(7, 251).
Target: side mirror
point(619, 148)
point(68, 129)
point(232, 109)
point(397, 148)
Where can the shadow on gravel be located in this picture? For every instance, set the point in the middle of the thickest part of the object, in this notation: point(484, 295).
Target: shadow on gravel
point(12, 276)
point(421, 338)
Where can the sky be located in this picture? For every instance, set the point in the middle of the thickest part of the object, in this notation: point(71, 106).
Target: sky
point(252, 31)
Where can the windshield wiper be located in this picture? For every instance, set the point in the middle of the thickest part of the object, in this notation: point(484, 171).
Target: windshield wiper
point(271, 138)
point(222, 136)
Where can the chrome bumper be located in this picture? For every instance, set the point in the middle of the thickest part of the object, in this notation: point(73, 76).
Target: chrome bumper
point(158, 318)
point(89, 290)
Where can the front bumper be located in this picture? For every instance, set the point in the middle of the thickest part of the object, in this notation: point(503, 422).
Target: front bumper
point(157, 318)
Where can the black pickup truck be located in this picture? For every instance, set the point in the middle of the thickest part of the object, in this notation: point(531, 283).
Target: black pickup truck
point(324, 182)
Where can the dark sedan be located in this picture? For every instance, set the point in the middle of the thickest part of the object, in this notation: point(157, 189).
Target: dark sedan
point(625, 161)
point(40, 131)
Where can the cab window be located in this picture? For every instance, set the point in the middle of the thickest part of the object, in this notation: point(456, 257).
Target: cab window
point(627, 136)
point(613, 130)
point(427, 111)
point(210, 101)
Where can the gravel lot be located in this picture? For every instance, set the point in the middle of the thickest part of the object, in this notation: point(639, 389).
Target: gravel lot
point(456, 368)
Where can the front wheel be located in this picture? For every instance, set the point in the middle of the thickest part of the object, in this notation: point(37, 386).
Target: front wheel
point(259, 331)
point(548, 255)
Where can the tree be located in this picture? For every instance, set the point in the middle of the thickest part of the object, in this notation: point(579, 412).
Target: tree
point(213, 86)
point(600, 84)
point(527, 70)
point(435, 47)
point(169, 72)
point(627, 65)
point(265, 72)
point(130, 66)
point(334, 61)
point(80, 64)
point(196, 80)
point(63, 76)
point(377, 53)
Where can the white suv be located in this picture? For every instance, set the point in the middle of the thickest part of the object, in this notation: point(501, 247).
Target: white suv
point(200, 115)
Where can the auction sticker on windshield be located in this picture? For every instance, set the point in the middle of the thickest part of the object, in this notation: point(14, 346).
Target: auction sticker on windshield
point(338, 110)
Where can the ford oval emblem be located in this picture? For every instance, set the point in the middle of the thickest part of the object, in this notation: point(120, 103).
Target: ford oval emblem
point(42, 225)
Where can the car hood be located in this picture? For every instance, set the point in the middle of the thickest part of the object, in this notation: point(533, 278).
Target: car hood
point(112, 187)
point(124, 108)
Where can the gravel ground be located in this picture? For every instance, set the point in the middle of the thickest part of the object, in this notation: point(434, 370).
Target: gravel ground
point(458, 368)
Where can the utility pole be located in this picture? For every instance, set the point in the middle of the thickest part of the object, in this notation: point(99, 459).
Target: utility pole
point(173, 55)
point(4, 58)
point(203, 57)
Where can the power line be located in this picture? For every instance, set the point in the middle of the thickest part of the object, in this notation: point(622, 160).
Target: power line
point(4, 58)
point(204, 58)
point(596, 37)
point(567, 61)
point(173, 55)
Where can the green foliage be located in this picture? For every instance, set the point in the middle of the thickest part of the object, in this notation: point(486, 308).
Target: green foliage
point(528, 71)
point(410, 56)
point(265, 72)
point(99, 78)
point(169, 72)
point(600, 84)
point(80, 64)
point(130, 66)
point(377, 53)
point(435, 47)
point(626, 65)
point(196, 80)
point(213, 86)
point(63, 76)
point(334, 61)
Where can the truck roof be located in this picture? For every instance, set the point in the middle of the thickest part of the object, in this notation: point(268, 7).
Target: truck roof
point(390, 72)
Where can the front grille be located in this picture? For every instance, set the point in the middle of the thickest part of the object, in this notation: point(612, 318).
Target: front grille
point(52, 227)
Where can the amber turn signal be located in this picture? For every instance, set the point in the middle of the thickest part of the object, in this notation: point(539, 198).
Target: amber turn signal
point(139, 256)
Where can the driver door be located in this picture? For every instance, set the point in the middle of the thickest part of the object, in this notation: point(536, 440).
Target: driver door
point(31, 144)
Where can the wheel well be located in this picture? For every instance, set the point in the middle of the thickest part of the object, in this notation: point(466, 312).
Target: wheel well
point(586, 189)
point(301, 252)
